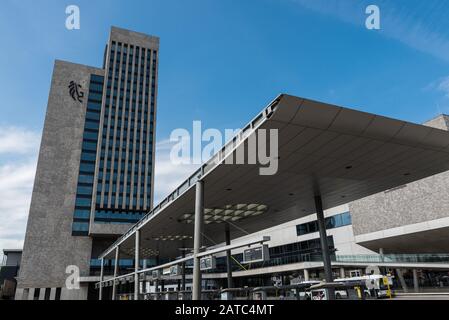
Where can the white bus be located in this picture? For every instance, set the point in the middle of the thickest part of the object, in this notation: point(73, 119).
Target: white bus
point(378, 286)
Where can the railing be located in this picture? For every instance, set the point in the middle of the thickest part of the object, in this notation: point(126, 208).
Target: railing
point(402, 258)
point(316, 257)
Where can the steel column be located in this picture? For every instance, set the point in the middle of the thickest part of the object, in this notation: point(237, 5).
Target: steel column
point(183, 275)
point(306, 275)
point(100, 292)
point(324, 245)
point(415, 281)
point(144, 282)
point(116, 269)
point(197, 242)
point(381, 253)
point(136, 266)
point(228, 257)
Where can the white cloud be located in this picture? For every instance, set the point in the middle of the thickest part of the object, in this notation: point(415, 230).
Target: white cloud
point(168, 175)
point(420, 27)
point(15, 140)
point(443, 86)
point(18, 160)
point(16, 184)
point(440, 85)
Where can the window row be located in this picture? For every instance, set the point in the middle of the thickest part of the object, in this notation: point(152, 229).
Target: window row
point(339, 220)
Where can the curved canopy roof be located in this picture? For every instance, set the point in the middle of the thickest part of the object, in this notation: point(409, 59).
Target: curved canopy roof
point(340, 153)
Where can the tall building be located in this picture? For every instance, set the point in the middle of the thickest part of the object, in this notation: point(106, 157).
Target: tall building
point(95, 170)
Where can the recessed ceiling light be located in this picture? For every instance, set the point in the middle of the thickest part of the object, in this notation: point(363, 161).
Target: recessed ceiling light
point(229, 212)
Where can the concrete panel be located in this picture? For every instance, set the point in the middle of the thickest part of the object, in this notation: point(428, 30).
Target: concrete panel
point(136, 38)
point(406, 209)
point(31, 294)
point(42, 294)
point(109, 228)
point(20, 295)
point(53, 294)
point(74, 294)
point(49, 246)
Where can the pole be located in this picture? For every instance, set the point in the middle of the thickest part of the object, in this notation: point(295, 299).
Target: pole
point(199, 219)
point(415, 281)
point(324, 245)
point(100, 294)
point(116, 269)
point(381, 254)
point(306, 275)
point(144, 281)
point(183, 276)
point(228, 257)
point(136, 266)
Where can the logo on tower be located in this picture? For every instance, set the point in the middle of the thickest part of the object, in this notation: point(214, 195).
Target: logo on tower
point(75, 91)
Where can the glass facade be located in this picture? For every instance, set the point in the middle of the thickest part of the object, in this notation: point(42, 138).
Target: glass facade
point(337, 221)
point(124, 179)
point(303, 251)
point(116, 168)
point(125, 265)
point(81, 216)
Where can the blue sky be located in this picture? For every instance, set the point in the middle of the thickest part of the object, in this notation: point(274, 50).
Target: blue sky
point(221, 61)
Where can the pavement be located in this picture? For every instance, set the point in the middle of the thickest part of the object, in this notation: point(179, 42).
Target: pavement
point(422, 296)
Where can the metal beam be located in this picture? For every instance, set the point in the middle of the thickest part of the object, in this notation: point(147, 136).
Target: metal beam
point(197, 241)
point(235, 246)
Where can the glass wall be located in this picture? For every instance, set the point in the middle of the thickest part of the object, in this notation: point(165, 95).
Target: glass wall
point(81, 216)
point(126, 151)
point(303, 251)
point(337, 221)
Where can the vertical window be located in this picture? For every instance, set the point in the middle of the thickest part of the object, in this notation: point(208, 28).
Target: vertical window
point(58, 294)
point(336, 221)
point(346, 219)
point(37, 292)
point(47, 294)
point(26, 292)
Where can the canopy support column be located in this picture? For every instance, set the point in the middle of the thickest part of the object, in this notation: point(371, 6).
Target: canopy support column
point(183, 270)
point(228, 257)
point(306, 275)
point(324, 245)
point(100, 291)
point(199, 220)
point(136, 266)
point(415, 280)
point(116, 266)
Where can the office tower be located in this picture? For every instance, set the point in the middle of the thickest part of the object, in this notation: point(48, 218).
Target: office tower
point(95, 170)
